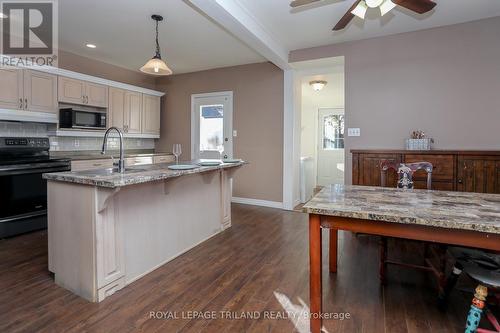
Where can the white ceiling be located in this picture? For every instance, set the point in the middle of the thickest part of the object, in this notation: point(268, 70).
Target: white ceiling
point(312, 25)
point(124, 34)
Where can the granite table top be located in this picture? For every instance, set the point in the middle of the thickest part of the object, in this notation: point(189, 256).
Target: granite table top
point(453, 210)
point(133, 175)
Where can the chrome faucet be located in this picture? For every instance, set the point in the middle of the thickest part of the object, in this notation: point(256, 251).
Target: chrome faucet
point(121, 162)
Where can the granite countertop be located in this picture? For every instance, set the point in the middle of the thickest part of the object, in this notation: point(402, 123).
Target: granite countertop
point(133, 175)
point(95, 155)
point(454, 210)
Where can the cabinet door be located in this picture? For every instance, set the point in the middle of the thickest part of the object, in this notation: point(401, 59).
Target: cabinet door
point(71, 90)
point(96, 95)
point(116, 110)
point(133, 112)
point(369, 169)
point(478, 174)
point(150, 114)
point(11, 89)
point(40, 91)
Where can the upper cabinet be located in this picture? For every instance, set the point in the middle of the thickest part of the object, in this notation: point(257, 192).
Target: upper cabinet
point(81, 92)
point(11, 89)
point(28, 90)
point(116, 110)
point(40, 91)
point(133, 112)
point(150, 114)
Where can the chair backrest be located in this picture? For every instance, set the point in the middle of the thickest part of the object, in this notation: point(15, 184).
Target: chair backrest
point(405, 172)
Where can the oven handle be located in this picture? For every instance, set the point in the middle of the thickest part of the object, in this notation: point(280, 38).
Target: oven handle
point(23, 216)
point(25, 171)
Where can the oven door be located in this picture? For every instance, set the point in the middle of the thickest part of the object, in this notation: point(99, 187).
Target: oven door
point(23, 197)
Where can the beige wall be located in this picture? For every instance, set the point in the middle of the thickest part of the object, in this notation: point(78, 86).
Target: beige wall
point(257, 116)
point(74, 62)
point(445, 81)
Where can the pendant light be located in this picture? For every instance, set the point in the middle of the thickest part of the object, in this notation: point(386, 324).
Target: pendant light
point(156, 65)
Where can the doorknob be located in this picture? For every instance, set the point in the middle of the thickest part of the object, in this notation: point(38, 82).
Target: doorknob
point(226, 139)
point(225, 156)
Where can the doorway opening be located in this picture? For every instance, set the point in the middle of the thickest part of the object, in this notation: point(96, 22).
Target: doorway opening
point(322, 117)
point(212, 125)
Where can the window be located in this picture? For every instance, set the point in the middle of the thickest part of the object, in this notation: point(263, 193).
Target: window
point(211, 127)
point(333, 132)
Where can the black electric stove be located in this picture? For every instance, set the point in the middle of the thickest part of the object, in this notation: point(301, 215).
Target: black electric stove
point(23, 194)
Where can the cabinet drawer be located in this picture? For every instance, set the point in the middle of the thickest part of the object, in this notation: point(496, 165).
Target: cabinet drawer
point(443, 166)
point(143, 160)
point(91, 164)
point(436, 185)
point(163, 159)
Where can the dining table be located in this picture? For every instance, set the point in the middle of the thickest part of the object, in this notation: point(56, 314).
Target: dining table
point(442, 217)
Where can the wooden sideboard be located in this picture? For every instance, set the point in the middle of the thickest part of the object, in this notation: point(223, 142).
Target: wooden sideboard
point(454, 170)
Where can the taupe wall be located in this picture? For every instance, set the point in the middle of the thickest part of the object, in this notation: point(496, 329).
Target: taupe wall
point(445, 81)
point(257, 116)
point(77, 63)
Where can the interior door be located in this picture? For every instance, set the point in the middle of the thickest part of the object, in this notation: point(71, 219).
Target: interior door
point(212, 125)
point(330, 160)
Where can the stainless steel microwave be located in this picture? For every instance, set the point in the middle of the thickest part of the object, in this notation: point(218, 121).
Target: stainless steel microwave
point(79, 119)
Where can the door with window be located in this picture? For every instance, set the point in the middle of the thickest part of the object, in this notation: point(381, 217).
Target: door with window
point(212, 125)
point(330, 158)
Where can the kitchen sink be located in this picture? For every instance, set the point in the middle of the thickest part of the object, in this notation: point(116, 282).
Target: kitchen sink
point(109, 172)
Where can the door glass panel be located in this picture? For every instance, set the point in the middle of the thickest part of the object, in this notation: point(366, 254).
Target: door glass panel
point(333, 132)
point(211, 127)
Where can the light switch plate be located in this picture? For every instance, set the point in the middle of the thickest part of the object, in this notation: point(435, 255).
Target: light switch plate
point(235, 133)
point(353, 132)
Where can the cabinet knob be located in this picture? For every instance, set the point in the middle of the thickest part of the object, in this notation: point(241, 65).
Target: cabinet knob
point(460, 181)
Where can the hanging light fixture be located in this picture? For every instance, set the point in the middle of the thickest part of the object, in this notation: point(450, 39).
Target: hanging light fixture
point(317, 85)
point(156, 65)
point(385, 6)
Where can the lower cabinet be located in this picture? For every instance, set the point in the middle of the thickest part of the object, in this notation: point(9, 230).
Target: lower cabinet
point(465, 171)
point(478, 174)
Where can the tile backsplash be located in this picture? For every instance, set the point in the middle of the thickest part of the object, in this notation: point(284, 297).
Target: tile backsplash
point(63, 143)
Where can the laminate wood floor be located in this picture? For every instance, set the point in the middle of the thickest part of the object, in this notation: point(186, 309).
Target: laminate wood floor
point(239, 270)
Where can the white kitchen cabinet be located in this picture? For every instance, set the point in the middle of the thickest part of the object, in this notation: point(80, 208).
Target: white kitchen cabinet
point(28, 90)
point(82, 92)
point(133, 112)
point(116, 110)
point(150, 114)
point(40, 91)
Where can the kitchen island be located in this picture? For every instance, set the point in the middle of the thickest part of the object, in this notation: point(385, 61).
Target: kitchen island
point(107, 230)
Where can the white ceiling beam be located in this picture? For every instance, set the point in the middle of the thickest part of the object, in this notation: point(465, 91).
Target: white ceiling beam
point(236, 19)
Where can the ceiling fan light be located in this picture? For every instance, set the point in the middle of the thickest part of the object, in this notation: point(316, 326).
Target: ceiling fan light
point(156, 66)
point(386, 7)
point(373, 3)
point(318, 85)
point(360, 10)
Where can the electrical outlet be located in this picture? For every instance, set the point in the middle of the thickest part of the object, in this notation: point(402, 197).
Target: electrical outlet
point(353, 132)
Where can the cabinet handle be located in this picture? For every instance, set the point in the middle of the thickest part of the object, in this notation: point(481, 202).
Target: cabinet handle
point(26, 104)
point(20, 103)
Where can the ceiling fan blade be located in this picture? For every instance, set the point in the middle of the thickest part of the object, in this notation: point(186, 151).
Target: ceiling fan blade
point(298, 3)
point(344, 21)
point(418, 6)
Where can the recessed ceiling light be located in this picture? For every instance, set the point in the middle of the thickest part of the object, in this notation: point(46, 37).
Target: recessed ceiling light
point(92, 46)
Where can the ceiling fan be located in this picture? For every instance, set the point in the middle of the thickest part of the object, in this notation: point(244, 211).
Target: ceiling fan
point(360, 7)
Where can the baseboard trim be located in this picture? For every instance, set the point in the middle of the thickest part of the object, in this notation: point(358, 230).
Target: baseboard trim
point(257, 202)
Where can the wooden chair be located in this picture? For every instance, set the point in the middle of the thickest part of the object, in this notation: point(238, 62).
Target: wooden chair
point(405, 181)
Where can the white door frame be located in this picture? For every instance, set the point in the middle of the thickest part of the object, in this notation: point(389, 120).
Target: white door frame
point(228, 113)
point(291, 130)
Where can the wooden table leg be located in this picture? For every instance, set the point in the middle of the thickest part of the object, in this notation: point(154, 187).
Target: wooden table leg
point(332, 256)
point(315, 271)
